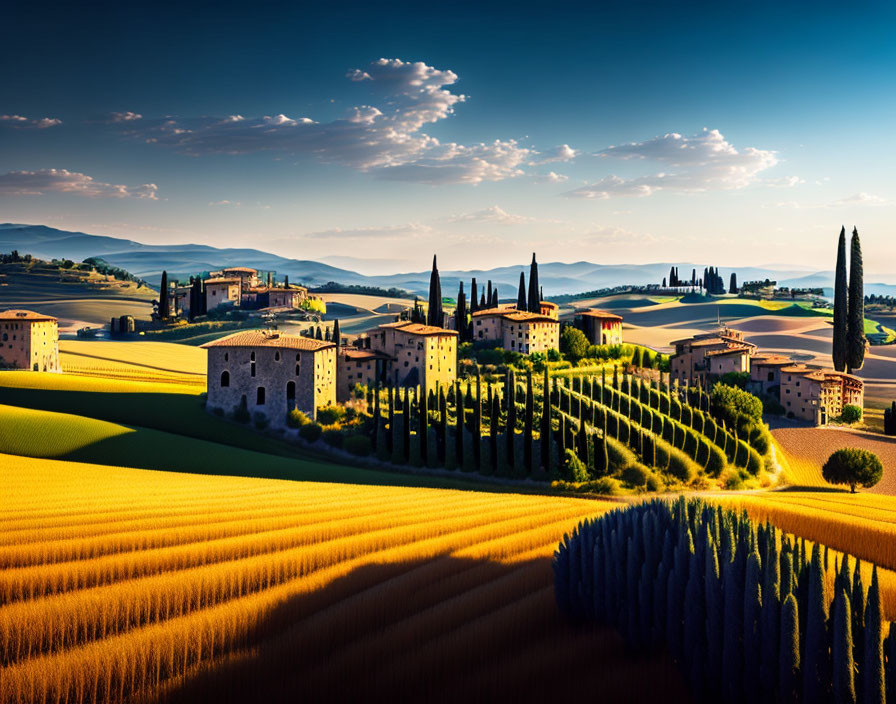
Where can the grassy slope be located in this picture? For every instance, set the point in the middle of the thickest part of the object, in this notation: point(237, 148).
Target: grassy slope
point(151, 356)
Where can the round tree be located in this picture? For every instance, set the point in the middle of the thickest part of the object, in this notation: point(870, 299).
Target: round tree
point(854, 467)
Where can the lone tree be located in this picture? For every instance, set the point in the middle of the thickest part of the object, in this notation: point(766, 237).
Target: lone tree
point(854, 467)
point(855, 329)
point(840, 306)
point(573, 342)
point(434, 311)
point(164, 306)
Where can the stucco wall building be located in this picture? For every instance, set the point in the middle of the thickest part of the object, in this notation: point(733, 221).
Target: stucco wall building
point(420, 355)
point(271, 373)
point(29, 340)
point(516, 330)
point(600, 327)
point(713, 353)
point(819, 395)
point(360, 366)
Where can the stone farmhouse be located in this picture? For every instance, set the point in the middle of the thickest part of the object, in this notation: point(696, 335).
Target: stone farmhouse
point(418, 355)
point(600, 327)
point(808, 393)
point(271, 373)
point(241, 287)
point(519, 331)
point(355, 365)
point(29, 340)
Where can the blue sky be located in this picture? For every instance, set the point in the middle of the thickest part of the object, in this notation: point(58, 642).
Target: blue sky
point(613, 132)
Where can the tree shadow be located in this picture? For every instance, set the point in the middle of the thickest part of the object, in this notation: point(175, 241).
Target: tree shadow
point(439, 630)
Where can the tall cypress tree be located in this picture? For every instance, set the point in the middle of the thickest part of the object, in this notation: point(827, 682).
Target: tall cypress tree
point(337, 336)
point(534, 289)
point(816, 643)
point(752, 626)
point(488, 294)
point(443, 425)
point(460, 314)
point(873, 690)
point(510, 425)
point(164, 305)
point(732, 285)
point(855, 330)
point(423, 425)
point(789, 651)
point(529, 422)
point(474, 297)
point(477, 424)
point(377, 420)
point(494, 419)
point(406, 425)
point(841, 651)
point(521, 299)
point(434, 309)
point(459, 424)
point(841, 303)
point(545, 429)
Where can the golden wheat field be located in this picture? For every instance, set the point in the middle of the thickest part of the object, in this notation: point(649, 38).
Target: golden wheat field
point(160, 362)
point(120, 584)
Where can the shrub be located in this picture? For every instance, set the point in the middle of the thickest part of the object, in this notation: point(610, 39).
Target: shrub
point(573, 342)
point(329, 415)
point(241, 414)
point(260, 420)
point(359, 445)
point(310, 432)
point(729, 402)
point(654, 483)
point(772, 406)
point(738, 379)
point(854, 467)
point(635, 475)
point(716, 462)
point(296, 419)
point(733, 481)
point(681, 466)
point(574, 469)
point(332, 435)
point(851, 414)
point(620, 456)
point(605, 485)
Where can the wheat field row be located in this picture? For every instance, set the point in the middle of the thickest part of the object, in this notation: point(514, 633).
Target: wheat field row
point(128, 584)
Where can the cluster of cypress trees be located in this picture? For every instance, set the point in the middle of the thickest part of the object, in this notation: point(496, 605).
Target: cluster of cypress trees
point(445, 430)
point(848, 350)
point(742, 608)
point(890, 419)
point(712, 281)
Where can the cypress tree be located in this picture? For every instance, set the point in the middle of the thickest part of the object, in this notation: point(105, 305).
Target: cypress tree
point(695, 621)
point(477, 423)
point(855, 330)
point(841, 303)
point(872, 663)
point(474, 298)
point(521, 294)
point(434, 308)
point(494, 419)
point(510, 424)
point(460, 314)
point(545, 429)
point(391, 410)
point(714, 614)
point(732, 655)
point(443, 425)
point(534, 298)
point(459, 425)
point(407, 424)
point(789, 652)
point(488, 296)
point(890, 666)
point(337, 336)
point(529, 422)
point(815, 648)
point(841, 651)
point(164, 305)
point(732, 285)
point(423, 426)
point(771, 615)
point(751, 629)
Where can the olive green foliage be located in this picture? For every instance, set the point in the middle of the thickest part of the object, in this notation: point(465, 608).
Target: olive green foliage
point(738, 379)
point(851, 414)
point(728, 403)
point(854, 467)
point(573, 468)
point(310, 432)
point(296, 419)
point(635, 475)
point(573, 343)
point(328, 415)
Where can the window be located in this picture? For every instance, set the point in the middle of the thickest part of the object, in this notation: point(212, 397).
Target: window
point(252, 369)
point(276, 356)
point(771, 376)
point(290, 391)
point(259, 396)
point(225, 379)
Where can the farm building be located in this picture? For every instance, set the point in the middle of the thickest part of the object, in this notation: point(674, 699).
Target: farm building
point(360, 366)
point(419, 355)
point(711, 354)
point(600, 327)
point(241, 286)
point(222, 291)
point(29, 341)
point(271, 373)
point(819, 395)
point(765, 372)
point(518, 330)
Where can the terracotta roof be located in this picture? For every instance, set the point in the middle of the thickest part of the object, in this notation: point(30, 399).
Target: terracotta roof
point(15, 314)
point(355, 353)
point(270, 338)
point(221, 281)
point(244, 269)
point(520, 316)
point(730, 350)
point(419, 329)
point(772, 360)
point(593, 313)
point(549, 304)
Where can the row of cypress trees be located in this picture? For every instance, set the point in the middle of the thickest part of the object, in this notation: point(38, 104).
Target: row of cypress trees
point(742, 608)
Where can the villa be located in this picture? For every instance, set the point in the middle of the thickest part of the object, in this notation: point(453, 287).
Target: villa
point(414, 354)
point(711, 354)
point(819, 395)
point(29, 341)
point(600, 327)
point(271, 373)
point(241, 286)
point(355, 365)
point(519, 331)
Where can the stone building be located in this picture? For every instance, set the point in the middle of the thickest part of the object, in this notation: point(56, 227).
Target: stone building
point(600, 327)
point(419, 355)
point(248, 277)
point(765, 372)
point(271, 373)
point(516, 330)
point(221, 291)
point(360, 366)
point(273, 297)
point(29, 340)
point(819, 395)
point(711, 354)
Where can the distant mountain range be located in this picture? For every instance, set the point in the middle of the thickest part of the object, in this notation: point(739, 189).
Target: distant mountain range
point(180, 261)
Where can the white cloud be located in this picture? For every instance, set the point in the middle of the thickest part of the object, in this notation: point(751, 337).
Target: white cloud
point(493, 214)
point(127, 116)
point(551, 177)
point(562, 153)
point(36, 183)
point(706, 161)
point(20, 121)
point(232, 203)
point(384, 137)
point(859, 199)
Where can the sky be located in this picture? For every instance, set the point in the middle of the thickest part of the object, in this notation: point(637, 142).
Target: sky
point(373, 135)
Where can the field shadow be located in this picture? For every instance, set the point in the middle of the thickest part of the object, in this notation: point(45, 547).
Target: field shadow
point(438, 630)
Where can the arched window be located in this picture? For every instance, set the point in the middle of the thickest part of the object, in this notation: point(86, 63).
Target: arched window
point(276, 356)
point(290, 395)
point(259, 398)
point(227, 356)
point(225, 379)
point(252, 356)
